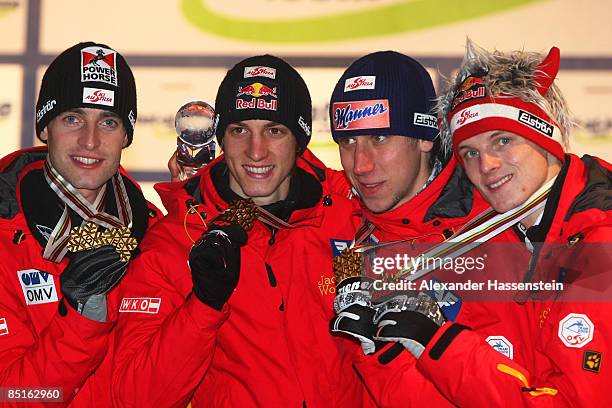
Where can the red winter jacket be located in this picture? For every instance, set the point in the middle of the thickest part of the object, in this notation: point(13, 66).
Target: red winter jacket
point(270, 345)
point(437, 212)
point(39, 347)
point(568, 339)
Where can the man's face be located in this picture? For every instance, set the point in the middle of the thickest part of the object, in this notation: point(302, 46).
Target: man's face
point(386, 171)
point(85, 147)
point(260, 155)
point(506, 168)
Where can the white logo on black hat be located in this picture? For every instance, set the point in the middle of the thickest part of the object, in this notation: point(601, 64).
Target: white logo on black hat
point(48, 106)
point(536, 123)
point(99, 65)
point(422, 119)
point(304, 126)
point(98, 96)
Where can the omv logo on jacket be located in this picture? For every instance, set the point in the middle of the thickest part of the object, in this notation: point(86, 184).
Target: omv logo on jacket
point(38, 287)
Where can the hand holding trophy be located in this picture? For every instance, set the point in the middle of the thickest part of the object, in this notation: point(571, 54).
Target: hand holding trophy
point(195, 146)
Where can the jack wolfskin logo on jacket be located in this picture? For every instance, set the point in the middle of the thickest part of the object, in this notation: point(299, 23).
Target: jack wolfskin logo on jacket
point(327, 285)
point(38, 287)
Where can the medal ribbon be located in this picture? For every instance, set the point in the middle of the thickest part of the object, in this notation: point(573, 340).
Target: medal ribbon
point(56, 247)
point(482, 228)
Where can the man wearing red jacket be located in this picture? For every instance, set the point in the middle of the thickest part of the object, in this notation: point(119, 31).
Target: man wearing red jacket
point(508, 125)
point(381, 118)
point(70, 221)
point(240, 318)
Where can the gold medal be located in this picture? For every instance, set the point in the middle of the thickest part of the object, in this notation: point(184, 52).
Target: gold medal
point(241, 212)
point(88, 237)
point(347, 264)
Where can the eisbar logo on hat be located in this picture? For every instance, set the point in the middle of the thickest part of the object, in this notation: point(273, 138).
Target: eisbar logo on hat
point(422, 119)
point(353, 115)
point(536, 123)
point(250, 72)
point(98, 96)
point(99, 65)
point(360, 82)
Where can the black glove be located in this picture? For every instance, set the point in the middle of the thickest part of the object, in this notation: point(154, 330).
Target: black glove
point(215, 264)
point(88, 276)
point(354, 312)
point(409, 320)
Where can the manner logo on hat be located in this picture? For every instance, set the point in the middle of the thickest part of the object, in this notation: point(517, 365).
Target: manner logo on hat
point(371, 114)
point(250, 72)
point(98, 96)
point(360, 82)
point(99, 65)
point(248, 97)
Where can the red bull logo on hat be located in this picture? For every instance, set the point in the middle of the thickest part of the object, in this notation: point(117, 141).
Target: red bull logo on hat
point(370, 114)
point(472, 88)
point(255, 91)
point(99, 65)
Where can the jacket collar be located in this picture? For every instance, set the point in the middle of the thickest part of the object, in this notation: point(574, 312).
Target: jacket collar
point(583, 184)
point(448, 201)
point(210, 187)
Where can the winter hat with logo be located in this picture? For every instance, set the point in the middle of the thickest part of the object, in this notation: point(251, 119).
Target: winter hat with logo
point(514, 92)
point(384, 93)
point(88, 75)
point(265, 87)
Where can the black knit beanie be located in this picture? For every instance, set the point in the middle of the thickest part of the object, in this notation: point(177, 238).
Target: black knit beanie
point(88, 75)
point(265, 87)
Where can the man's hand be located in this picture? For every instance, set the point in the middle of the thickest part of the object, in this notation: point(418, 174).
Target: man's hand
point(88, 277)
point(409, 320)
point(354, 312)
point(215, 264)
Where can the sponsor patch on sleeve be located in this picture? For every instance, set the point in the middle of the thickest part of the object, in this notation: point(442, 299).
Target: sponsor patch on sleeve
point(38, 287)
point(576, 330)
point(501, 345)
point(140, 305)
point(3, 327)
